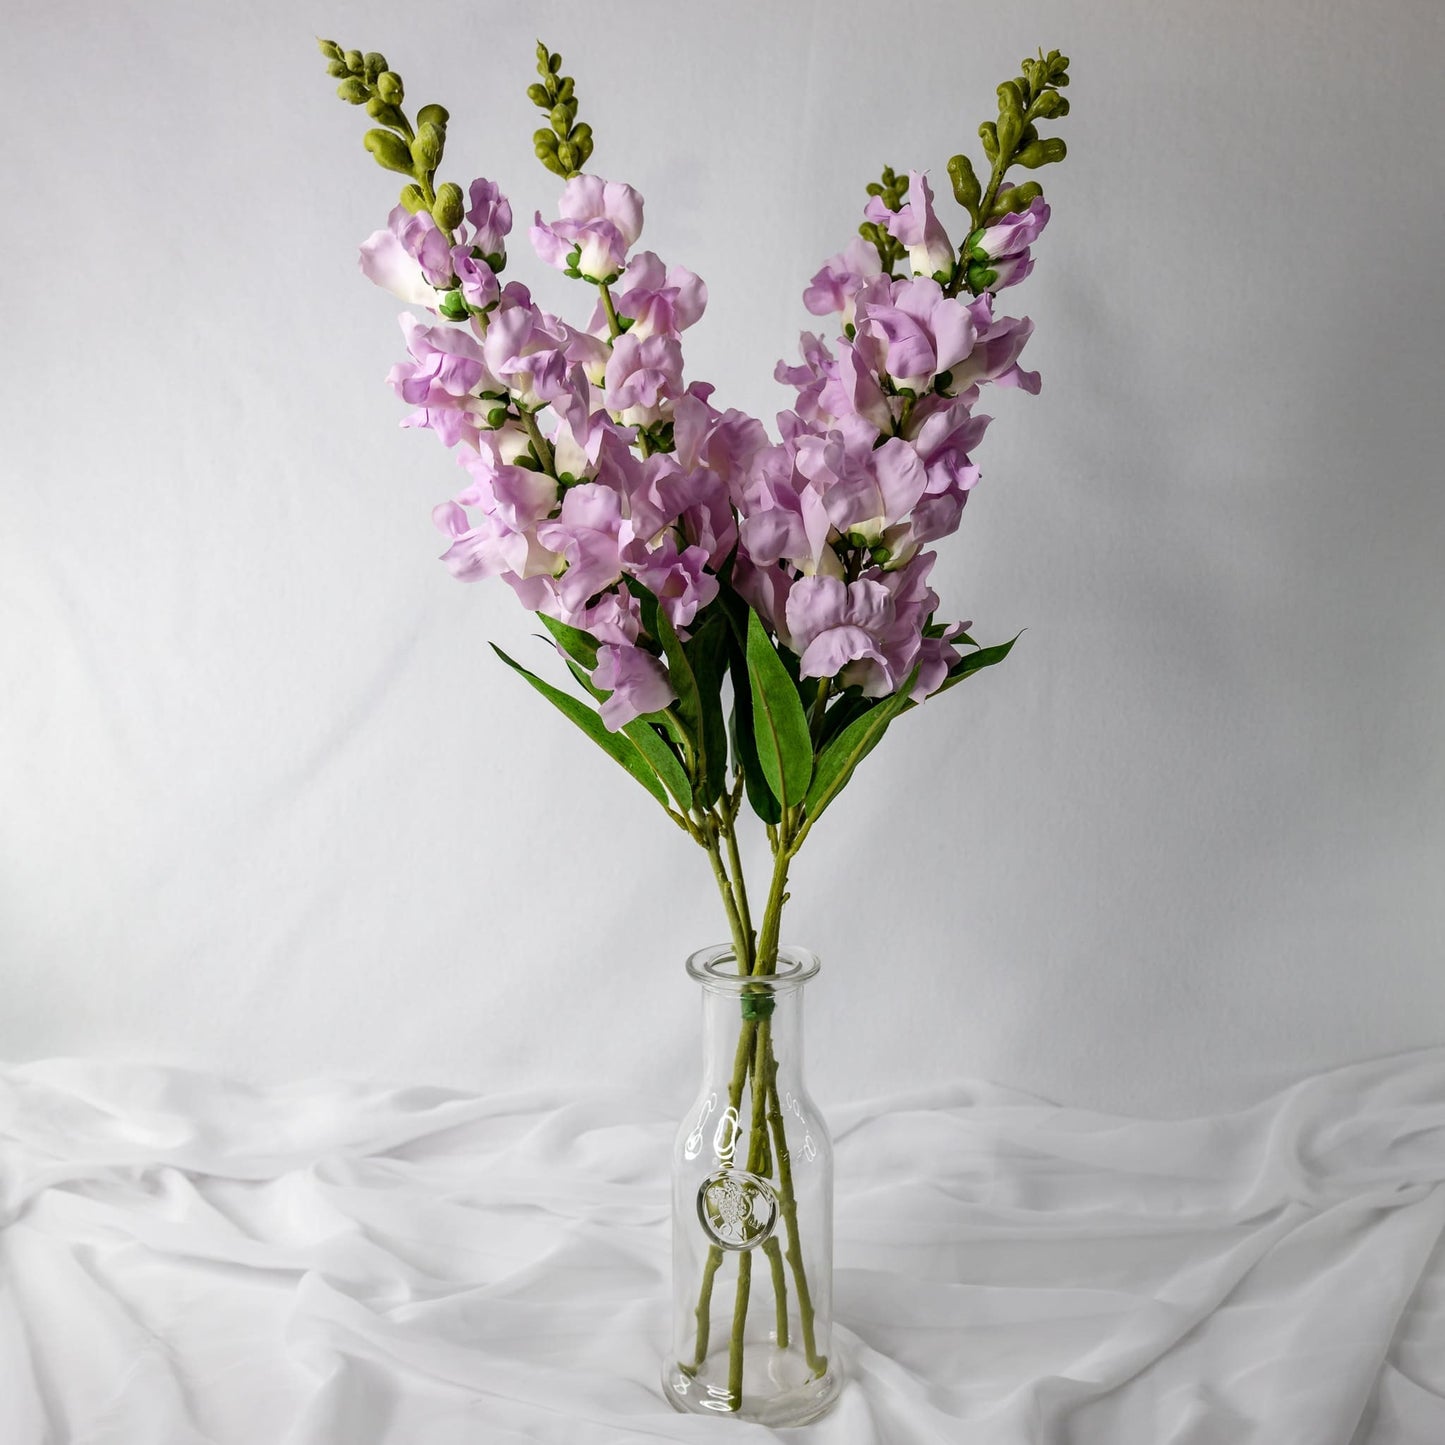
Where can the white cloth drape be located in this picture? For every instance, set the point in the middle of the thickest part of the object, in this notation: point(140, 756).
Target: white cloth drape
point(186, 1261)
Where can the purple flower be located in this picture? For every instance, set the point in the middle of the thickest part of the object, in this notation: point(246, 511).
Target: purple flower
point(997, 346)
point(512, 501)
point(930, 252)
point(599, 223)
point(585, 532)
point(663, 494)
point(411, 258)
point(490, 214)
point(477, 280)
point(527, 350)
point(943, 432)
point(867, 633)
point(658, 301)
point(842, 277)
point(867, 492)
point(999, 254)
point(854, 392)
point(678, 579)
point(914, 332)
point(636, 680)
point(644, 377)
point(783, 518)
point(724, 443)
point(446, 368)
point(819, 370)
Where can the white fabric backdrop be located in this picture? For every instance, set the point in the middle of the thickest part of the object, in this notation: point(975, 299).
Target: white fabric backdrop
point(269, 805)
point(190, 1262)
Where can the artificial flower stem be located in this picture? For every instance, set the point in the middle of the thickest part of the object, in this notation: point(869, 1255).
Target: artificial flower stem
point(789, 1203)
point(613, 324)
point(539, 443)
point(757, 1148)
point(741, 1060)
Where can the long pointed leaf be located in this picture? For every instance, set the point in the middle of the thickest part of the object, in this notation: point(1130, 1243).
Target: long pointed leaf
point(643, 735)
point(841, 756)
point(580, 646)
point(689, 700)
point(780, 726)
point(620, 748)
point(972, 662)
point(745, 744)
point(706, 650)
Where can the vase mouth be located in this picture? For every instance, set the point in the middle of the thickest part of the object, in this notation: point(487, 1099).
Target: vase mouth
point(716, 969)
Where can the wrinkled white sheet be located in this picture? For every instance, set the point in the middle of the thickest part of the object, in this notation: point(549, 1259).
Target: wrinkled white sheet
point(185, 1260)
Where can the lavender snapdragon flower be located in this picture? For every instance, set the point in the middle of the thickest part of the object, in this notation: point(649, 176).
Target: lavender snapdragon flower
point(600, 222)
point(999, 255)
point(930, 252)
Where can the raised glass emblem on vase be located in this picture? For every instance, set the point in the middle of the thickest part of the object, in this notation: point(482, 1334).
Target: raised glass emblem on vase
point(752, 1208)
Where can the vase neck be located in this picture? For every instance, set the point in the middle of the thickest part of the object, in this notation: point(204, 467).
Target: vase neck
point(736, 1006)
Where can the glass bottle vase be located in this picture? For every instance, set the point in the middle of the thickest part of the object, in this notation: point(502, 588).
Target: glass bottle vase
point(752, 1208)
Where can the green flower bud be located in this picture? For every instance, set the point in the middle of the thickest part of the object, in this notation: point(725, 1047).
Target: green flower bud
point(432, 115)
point(413, 199)
point(375, 63)
point(582, 139)
point(452, 306)
point(966, 189)
point(567, 157)
point(329, 48)
point(561, 121)
point(353, 90)
point(554, 63)
point(988, 134)
point(378, 109)
point(389, 149)
point(544, 144)
point(354, 63)
point(1041, 153)
point(338, 69)
point(565, 87)
point(981, 276)
point(1010, 100)
point(1010, 127)
point(1050, 106)
point(426, 148)
point(449, 207)
point(541, 54)
point(538, 95)
point(390, 88)
point(1014, 198)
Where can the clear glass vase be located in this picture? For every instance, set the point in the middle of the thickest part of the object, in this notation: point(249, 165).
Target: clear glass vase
point(752, 1208)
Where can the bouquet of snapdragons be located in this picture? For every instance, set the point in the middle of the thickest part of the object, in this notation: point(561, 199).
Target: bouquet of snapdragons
point(740, 618)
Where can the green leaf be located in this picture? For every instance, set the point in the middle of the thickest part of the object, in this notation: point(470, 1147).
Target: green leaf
point(642, 733)
point(972, 662)
point(684, 684)
point(838, 760)
point(780, 726)
point(616, 745)
point(578, 645)
point(661, 759)
point(706, 650)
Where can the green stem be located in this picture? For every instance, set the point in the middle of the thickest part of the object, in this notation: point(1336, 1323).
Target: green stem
point(539, 443)
point(740, 888)
point(741, 1060)
point(757, 1149)
point(789, 1203)
point(613, 324)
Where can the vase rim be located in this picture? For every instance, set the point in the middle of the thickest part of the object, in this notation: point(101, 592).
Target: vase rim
point(715, 968)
